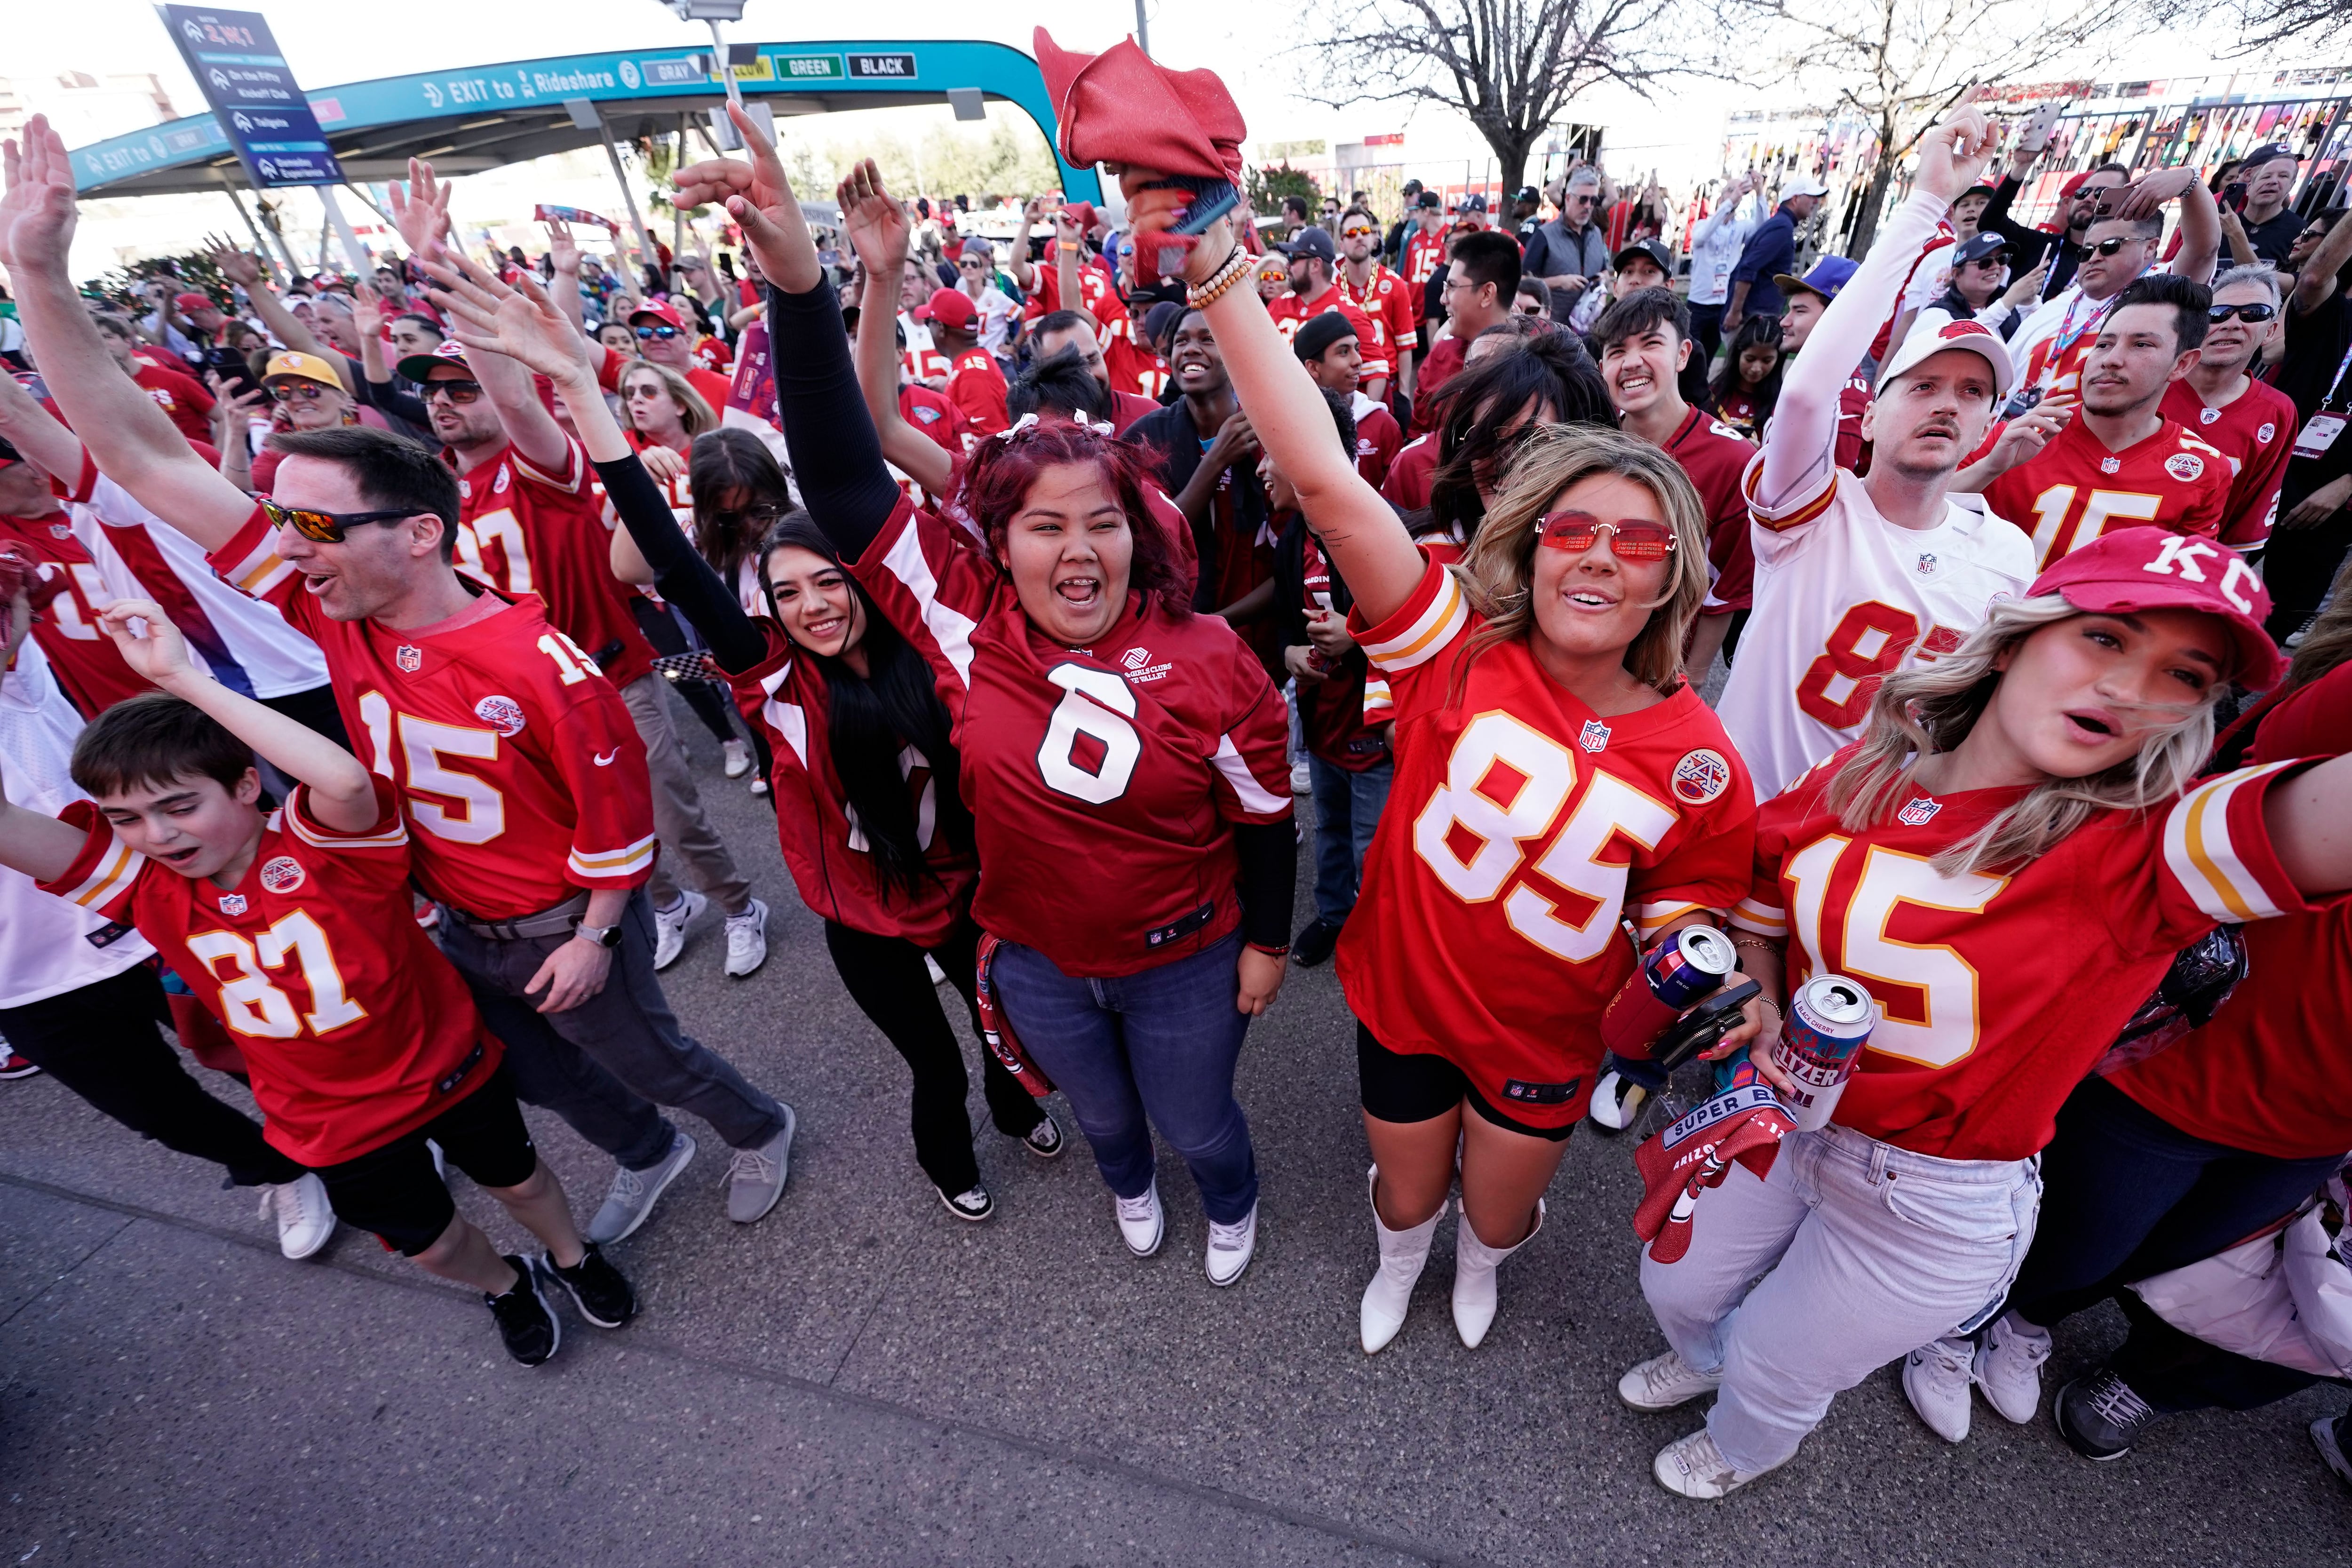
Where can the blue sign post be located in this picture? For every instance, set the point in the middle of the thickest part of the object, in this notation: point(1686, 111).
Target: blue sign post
point(252, 94)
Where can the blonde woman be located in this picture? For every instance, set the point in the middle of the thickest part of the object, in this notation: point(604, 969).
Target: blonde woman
point(1554, 774)
point(2008, 858)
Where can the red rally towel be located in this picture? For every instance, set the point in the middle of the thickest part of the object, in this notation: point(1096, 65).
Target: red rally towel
point(1120, 107)
point(996, 1030)
point(1742, 1126)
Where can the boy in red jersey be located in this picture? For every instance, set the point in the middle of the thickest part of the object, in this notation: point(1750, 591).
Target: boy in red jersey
point(2220, 403)
point(1328, 346)
point(513, 756)
point(1644, 342)
point(2067, 476)
point(294, 930)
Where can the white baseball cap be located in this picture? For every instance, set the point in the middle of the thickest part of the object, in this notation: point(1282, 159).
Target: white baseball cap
point(1933, 331)
point(1802, 185)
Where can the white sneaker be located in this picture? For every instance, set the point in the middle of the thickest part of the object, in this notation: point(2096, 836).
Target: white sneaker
point(2009, 1367)
point(1301, 781)
point(1935, 1381)
point(759, 785)
point(305, 1218)
point(1665, 1381)
point(1231, 1247)
point(931, 967)
point(747, 940)
point(1616, 1100)
point(738, 756)
point(1140, 1223)
point(670, 928)
point(1696, 1467)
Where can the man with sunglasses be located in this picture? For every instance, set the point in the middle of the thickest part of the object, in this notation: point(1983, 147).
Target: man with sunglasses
point(1384, 298)
point(1313, 291)
point(664, 339)
point(2079, 199)
point(2220, 404)
point(522, 777)
point(1570, 253)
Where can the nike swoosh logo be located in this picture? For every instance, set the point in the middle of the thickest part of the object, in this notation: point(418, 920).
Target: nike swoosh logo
point(605, 759)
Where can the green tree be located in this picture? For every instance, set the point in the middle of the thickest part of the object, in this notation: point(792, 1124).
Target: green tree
point(1266, 187)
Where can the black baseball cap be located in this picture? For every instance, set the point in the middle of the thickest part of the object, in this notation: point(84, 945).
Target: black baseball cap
point(1311, 241)
point(1649, 248)
point(1527, 193)
point(1318, 333)
point(1430, 200)
point(1977, 247)
point(1473, 203)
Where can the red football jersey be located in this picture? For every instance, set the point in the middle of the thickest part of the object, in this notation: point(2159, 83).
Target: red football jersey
point(1331, 711)
point(1997, 991)
point(1289, 311)
point(2266, 1073)
point(516, 760)
point(522, 531)
point(181, 396)
point(1714, 456)
point(977, 390)
point(83, 657)
point(1521, 828)
point(827, 853)
point(2256, 431)
point(1425, 253)
point(1103, 783)
point(356, 1028)
point(1378, 439)
point(712, 354)
point(1441, 364)
point(2074, 489)
point(1413, 471)
point(932, 413)
point(1388, 300)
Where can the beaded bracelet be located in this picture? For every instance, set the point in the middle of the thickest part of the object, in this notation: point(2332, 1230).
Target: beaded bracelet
point(1206, 293)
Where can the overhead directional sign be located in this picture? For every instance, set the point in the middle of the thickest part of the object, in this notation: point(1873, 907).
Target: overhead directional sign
point(253, 95)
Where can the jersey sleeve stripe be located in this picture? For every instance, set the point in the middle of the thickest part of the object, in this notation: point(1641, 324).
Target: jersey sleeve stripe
point(1255, 797)
point(1649, 918)
point(952, 631)
point(1379, 705)
point(1790, 514)
point(2201, 851)
point(788, 721)
point(116, 869)
point(390, 837)
point(1764, 920)
point(260, 571)
point(626, 862)
point(1434, 627)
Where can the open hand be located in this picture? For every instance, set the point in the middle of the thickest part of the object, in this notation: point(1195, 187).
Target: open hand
point(562, 252)
point(875, 221)
point(2142, 197)
point(519, 322)
point(367, 312)
point(2025, 435)
point(1953, 155)
point(239, 267)
point(37, 213)
point(421, 213)
point(759, 196)
point(152, 646)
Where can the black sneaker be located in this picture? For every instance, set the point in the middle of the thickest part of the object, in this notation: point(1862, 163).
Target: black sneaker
point(1314, 943)
point(974, 1203)
point(1045, 1140)
point(530, 1330)
point(597, 1289)
point(2100, 1416)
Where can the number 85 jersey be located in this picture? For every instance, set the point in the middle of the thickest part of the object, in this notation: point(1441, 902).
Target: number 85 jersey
point(1521, 829)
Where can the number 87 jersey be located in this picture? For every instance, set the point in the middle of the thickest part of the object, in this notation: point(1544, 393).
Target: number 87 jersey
point(1521, 829)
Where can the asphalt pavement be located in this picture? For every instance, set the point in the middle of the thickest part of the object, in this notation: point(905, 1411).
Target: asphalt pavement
point(862, 1379)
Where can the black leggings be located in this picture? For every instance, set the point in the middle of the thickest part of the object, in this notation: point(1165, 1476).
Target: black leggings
point(886, 978)
point(101, 1042)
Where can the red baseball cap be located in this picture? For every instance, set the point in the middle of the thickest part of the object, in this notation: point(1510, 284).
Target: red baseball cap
point(192, 301)
point(2157, 569)
point(419, 368)
point(660, 310)
point(949, 308)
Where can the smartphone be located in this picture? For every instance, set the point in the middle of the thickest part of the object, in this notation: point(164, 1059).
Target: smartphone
point(2233, 195)
point(2038, 126)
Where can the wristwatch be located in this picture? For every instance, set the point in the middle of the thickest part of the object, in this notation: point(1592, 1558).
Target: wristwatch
point(603, 936)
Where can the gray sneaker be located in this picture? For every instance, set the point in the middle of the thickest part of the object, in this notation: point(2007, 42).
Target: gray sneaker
point(634, 1194)
point(755, 1177)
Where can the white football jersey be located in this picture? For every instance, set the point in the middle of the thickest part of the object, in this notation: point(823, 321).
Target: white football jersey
point(1843, 596)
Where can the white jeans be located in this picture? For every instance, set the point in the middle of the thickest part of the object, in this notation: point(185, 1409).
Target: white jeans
point(1850, 1254)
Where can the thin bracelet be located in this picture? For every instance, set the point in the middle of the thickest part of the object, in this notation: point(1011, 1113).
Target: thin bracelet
point(1282, 951)
point(1229, 271)
point(1755, 942)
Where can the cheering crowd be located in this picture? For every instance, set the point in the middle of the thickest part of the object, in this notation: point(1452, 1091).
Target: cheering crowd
point(1030, 585)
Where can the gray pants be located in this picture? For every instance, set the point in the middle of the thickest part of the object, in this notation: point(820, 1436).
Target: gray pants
point(597, 1064)
point(685, 831)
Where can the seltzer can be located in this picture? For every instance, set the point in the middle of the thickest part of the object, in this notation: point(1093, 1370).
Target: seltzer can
point(1828, 1024)
point(1689, 966)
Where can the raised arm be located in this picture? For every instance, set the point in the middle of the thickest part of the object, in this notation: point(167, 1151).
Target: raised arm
point(1800, 446)
point(1366, 540)
point(129, 436)
point(877, 225)
point(31, 842)
point(244, 269)
point(524, 328)
point(2310, 822)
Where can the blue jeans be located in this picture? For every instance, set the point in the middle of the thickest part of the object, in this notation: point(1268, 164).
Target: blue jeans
point(1347, 808)
point(1161, 1043)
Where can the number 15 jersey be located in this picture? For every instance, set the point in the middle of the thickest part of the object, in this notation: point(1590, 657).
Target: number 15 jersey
point(1521, 828)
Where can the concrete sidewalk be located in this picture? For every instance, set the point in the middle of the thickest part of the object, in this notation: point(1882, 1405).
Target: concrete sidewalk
point(861, 1379)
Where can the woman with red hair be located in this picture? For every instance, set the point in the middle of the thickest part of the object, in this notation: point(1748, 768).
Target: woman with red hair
point(1123, 757)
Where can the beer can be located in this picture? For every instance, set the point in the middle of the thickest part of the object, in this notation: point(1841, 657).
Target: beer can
point(1828, 1024)
point(1688, 967)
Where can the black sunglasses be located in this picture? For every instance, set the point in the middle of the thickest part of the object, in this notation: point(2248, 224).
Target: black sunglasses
point(648, 333)
point(2110, 246)
point(458, 391)
point(2253, 315)
point(325, 527)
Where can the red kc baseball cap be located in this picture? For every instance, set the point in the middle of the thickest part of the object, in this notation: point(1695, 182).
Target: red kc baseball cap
point(660, 310)
point(2157, 569)
point(192, 301)
point(949, 308)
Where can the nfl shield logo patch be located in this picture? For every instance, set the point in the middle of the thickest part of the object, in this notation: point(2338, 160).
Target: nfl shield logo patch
point(410, 659)
point(232, 903)
point(1918, 811)
point(1594, 736)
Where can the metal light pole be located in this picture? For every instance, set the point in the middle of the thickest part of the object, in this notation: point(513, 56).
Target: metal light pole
point(1142, 30)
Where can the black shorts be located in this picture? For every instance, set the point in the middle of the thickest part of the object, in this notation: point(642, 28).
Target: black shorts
point(394, 1192)
point(1397, 1087)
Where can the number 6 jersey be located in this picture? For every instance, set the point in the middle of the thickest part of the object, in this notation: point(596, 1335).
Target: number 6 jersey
point(1103, 783)
point(356, 1028)
point(1521, 828)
